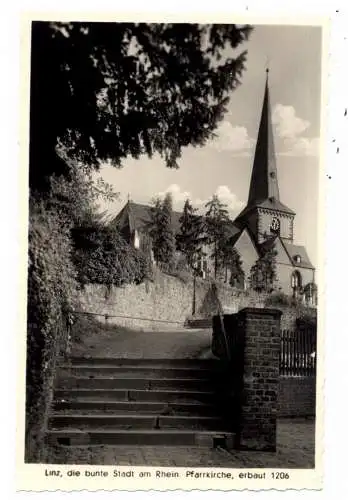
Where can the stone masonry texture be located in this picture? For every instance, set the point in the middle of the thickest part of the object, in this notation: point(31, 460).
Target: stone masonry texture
point(150, 305)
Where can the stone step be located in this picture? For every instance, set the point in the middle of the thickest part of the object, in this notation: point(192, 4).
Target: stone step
point(129, 371)
point(127, 421)
point(107, 395)
point(100, 382)
point(145, 362)
point(153, 437)
point(132, 407)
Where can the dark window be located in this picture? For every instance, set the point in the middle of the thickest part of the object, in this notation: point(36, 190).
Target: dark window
point(296, 280)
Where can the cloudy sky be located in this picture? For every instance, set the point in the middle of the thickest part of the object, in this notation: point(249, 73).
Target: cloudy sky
point(223, 166)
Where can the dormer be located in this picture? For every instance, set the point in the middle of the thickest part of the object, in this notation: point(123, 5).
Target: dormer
point(297, 259)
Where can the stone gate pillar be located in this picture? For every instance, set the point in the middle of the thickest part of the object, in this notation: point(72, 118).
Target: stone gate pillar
point(260, 331)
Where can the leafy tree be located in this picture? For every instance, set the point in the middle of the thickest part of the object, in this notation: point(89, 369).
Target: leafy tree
point(161, 231)
point(235, 265)
point(168, 235)
point(75, 199)
point(155, 229)
point(263, 273)
point(103, 91)
point(190, 238)
point(216, 220)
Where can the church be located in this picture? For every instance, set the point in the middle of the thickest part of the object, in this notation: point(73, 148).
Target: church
point(265, 218)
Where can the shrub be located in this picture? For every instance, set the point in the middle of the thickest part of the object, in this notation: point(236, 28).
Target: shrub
point(51, 294)
point(102, 256)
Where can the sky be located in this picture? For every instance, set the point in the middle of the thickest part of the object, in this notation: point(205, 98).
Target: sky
point(223, 166)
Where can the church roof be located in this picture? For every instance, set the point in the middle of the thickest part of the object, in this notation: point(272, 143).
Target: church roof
point(264, 189)
point(292, 251)
point(270, 203)
point(264, 182)
point(298, 250)
point(138, 217)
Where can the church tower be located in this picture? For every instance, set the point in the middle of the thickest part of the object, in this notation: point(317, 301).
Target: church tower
point(264, 215)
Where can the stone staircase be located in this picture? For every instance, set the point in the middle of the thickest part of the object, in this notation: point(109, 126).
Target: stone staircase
point(169, 402)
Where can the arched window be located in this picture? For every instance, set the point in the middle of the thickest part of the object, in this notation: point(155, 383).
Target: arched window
point(296, 280)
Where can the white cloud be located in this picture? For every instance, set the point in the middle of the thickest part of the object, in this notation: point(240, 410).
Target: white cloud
point(178, 196)
point(289, 127)
point(232, 138)
point(301, 146)
point(223, 192)
point(234, 205)
point(230, 199)
point(287, 124)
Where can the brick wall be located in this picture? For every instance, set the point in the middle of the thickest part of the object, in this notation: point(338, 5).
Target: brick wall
point(253, 339)
point(258, 413)
point(296, 397)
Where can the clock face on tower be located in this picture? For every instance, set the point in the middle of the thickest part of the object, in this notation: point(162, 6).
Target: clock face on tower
point(275, 225)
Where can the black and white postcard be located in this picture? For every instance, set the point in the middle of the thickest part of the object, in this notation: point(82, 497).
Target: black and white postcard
point(173, 329)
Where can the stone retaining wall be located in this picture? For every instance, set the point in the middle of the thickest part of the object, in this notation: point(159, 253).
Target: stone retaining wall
point(168, 301)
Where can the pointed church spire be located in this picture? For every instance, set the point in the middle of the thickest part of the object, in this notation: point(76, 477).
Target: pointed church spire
point(264, 182)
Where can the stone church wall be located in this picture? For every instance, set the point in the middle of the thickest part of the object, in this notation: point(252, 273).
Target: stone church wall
point(246, 248)
point(265, 221)
point(284, 273)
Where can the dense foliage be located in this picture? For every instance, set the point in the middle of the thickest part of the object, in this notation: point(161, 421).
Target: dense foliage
point(106, 91)
point(51, 295)
point(103, 257)
point(75, 198)
point(68, 245)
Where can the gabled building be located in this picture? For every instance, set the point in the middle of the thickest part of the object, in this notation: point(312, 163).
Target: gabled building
point(134, 223)
point(265, 220)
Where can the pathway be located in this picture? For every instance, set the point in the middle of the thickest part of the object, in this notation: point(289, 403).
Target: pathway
point(122, 343)
point(295, 449)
